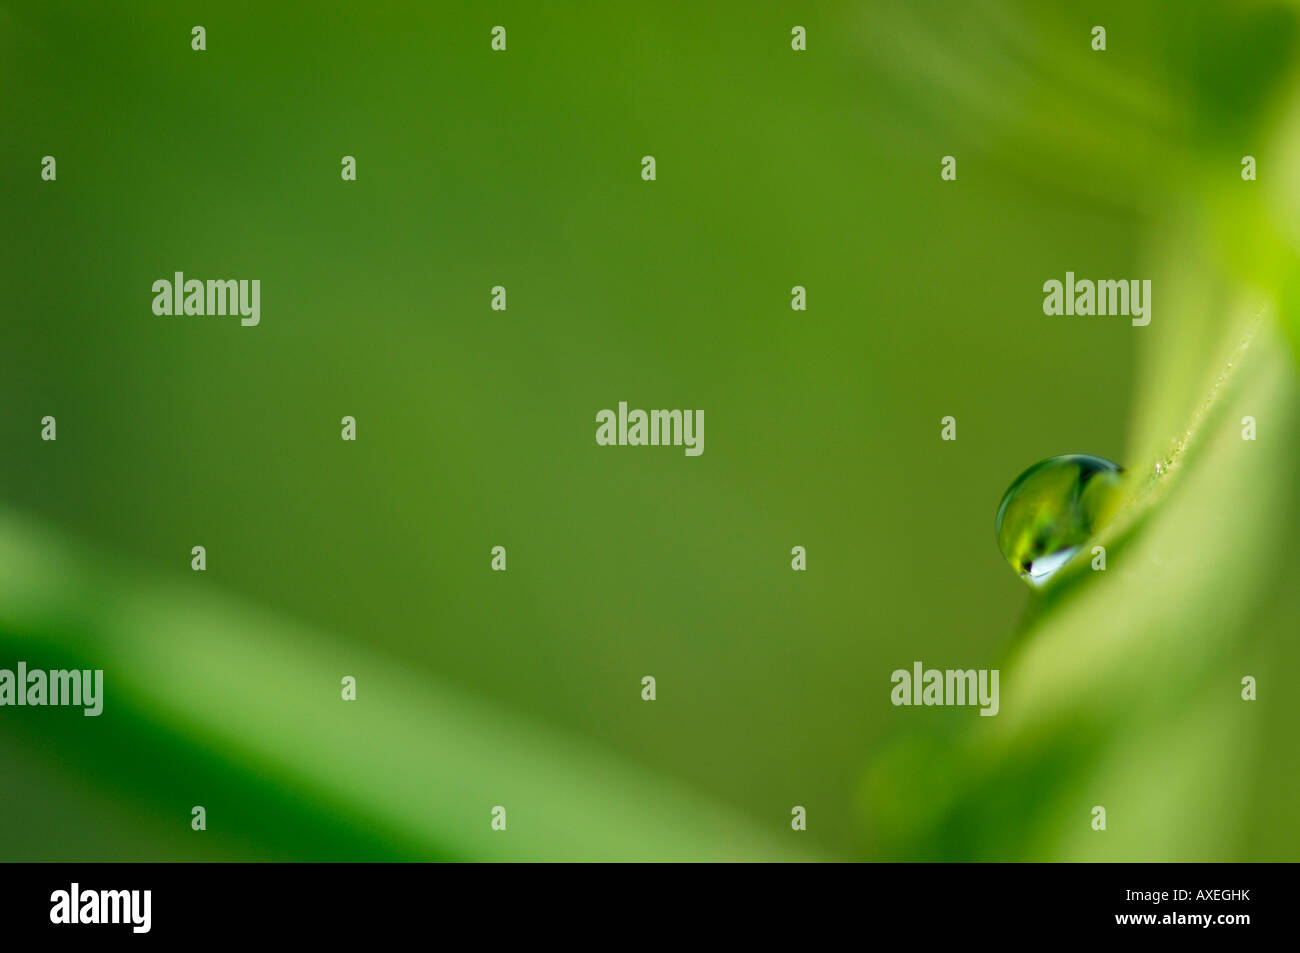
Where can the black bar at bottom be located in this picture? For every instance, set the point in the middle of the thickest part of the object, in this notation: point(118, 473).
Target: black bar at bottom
point(1225, 902)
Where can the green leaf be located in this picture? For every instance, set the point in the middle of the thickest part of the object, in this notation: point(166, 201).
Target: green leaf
point(212, 702)
point(1124, 689)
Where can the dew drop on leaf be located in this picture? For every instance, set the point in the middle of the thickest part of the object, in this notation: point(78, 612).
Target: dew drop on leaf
point(1052, 509)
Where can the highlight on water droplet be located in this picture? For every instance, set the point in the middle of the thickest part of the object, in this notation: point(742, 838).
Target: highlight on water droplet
point(1052, 509)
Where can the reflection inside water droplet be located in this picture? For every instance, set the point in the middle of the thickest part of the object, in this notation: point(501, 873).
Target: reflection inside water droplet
point(1052, 509)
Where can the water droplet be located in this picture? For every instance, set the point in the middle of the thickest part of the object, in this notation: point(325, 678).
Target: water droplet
point(1052, 509)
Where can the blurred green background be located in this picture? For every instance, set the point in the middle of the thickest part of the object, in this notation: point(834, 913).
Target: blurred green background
point(476, 428)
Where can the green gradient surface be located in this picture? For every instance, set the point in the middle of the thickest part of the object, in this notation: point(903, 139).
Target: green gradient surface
point(476, 429)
